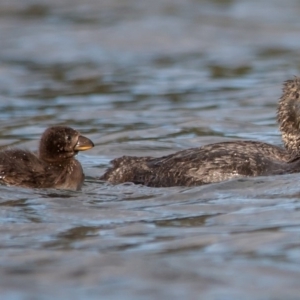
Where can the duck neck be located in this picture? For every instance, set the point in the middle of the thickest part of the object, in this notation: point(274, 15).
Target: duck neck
point(288, 115)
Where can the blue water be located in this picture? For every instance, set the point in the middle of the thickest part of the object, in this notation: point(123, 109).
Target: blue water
point(148, 78)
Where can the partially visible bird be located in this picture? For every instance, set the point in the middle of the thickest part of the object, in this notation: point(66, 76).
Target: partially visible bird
point(220, 161)
point(54, 166)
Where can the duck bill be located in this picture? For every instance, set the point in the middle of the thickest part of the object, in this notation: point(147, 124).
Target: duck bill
point(83, 144)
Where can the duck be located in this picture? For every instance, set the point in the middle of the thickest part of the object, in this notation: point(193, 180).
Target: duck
point(53, 166)
point(222, 161)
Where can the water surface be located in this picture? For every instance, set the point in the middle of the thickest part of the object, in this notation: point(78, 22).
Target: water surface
point(148, 78)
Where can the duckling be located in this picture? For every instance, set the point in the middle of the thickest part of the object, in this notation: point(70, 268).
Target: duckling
point(54, 166)
point(220, 161)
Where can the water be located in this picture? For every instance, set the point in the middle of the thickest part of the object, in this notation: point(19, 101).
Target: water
point(148, 78)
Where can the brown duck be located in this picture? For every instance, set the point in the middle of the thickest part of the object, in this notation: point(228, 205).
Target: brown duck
point(220, 161)
point(53, 167)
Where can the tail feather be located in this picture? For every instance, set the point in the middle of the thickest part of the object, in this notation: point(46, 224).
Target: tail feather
point(126, 169)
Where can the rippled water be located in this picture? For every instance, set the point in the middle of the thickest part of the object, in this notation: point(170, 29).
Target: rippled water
point(148, 78)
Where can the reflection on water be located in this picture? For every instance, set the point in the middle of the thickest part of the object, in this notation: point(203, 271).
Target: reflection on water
point(148, 78)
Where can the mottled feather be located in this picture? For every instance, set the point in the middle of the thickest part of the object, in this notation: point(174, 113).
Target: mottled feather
point(54, 166)
point(220, 161)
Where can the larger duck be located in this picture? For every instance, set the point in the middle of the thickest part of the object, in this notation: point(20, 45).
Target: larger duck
point(220, 161)
point(54, 166)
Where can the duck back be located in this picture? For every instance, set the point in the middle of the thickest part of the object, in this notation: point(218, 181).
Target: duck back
point(207, 164)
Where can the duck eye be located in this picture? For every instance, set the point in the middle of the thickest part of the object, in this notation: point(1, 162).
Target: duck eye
point(69, 138)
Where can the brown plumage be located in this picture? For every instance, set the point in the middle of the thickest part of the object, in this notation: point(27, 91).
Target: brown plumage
point(53, 167)
point(288, 115)
point(220, 161)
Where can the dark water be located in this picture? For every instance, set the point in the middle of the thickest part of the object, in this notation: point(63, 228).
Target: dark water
point(148, 78)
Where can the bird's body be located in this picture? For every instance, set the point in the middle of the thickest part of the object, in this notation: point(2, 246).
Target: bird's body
point(207, 164)
point(54, 166)
point(220, 161)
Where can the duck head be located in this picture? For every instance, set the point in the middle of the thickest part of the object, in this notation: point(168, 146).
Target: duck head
point(59, 143)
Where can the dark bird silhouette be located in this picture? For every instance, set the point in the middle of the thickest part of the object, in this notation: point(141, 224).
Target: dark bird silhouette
point(220, 161)
point(54, 166)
